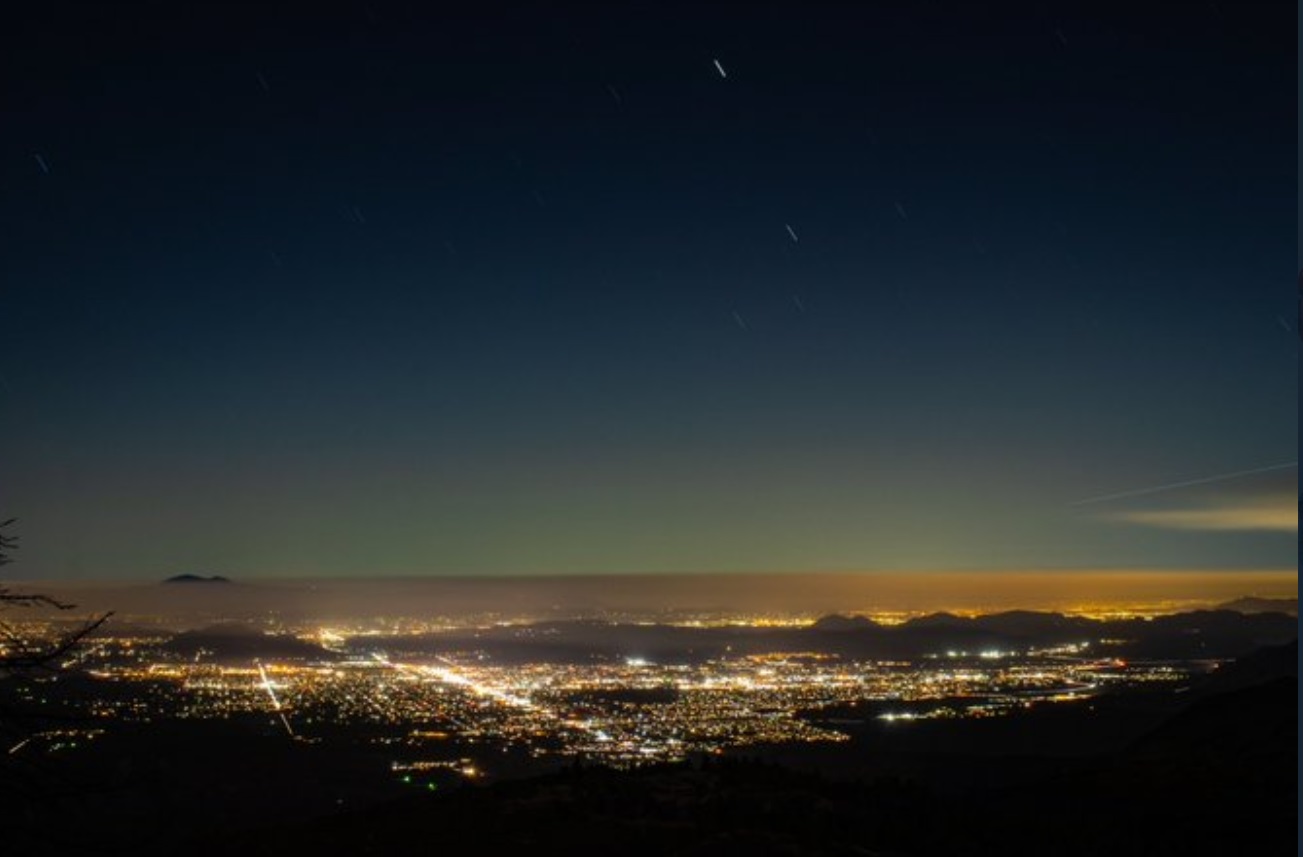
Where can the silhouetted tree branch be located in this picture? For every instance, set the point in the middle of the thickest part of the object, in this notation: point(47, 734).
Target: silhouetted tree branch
point(7, 542)
point(17, 652)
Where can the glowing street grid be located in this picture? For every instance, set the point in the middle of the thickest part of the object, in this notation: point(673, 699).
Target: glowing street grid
point(620, 713)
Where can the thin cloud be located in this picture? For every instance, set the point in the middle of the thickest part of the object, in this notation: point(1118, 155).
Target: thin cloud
point(1262, 500)
point(1269, 517)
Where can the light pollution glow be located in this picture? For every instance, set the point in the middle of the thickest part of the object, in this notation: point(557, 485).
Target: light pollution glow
point(1094, 591)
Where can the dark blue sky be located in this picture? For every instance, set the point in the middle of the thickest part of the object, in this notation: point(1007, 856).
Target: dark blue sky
point(382, 289)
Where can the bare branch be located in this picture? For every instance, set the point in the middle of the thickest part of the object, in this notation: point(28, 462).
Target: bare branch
point(44, 657)
point(19, 655)
point(7, 543)
point(19, 599)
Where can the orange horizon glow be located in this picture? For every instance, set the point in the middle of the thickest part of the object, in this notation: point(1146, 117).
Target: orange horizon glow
point(1095, 592)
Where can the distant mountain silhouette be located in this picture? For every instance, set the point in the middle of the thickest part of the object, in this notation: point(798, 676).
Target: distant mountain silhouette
point(1028, 623)
point(843, 622)
point(1205, 634)
point(1253, 604)
point(196, 578)
point(937, 620)
point(236, 641)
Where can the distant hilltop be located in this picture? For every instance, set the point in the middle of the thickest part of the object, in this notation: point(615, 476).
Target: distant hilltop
point(197, 578)
point(1251, 604)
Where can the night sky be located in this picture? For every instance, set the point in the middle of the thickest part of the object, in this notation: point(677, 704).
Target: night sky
point(384, 289)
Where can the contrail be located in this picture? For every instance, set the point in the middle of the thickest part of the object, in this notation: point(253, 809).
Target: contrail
point(1138, 492)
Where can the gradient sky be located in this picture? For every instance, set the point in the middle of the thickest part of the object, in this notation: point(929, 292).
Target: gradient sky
point(380, 289)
